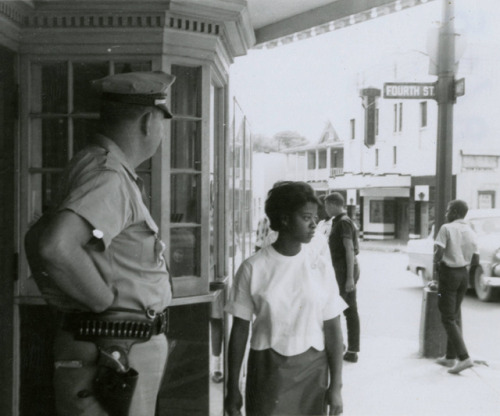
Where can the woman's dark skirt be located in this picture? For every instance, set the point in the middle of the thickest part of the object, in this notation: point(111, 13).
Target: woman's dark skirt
point(281, 385)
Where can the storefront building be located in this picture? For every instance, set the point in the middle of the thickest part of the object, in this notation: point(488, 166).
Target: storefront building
point(199, 181)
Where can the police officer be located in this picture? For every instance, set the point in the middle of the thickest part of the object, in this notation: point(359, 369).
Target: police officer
point(100, 260)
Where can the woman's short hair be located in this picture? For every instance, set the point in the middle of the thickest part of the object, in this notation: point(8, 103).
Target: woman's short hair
point(287, 198)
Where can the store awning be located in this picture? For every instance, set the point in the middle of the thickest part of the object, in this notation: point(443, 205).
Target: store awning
point(282, 21)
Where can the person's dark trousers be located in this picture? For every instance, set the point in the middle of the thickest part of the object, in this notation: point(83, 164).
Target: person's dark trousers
point(451, 292)
point(351, 313)
point(352, 320)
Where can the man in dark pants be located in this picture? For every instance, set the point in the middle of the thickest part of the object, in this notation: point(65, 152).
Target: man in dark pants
point(343, 243)
point(454, 249)
point(99, 262)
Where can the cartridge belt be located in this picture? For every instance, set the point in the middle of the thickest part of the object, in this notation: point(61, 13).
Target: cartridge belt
point(122, 324)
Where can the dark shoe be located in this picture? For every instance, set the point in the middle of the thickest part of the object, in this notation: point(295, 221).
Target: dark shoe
point(460, 366)
point(352, 357)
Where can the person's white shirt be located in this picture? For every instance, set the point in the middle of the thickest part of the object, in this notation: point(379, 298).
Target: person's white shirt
point(286, 298)
point(324, 227)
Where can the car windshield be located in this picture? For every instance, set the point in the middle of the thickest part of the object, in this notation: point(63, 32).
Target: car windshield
point(487, 225)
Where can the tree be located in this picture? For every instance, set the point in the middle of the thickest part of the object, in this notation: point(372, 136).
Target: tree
point(280, 141)
point(287, 139)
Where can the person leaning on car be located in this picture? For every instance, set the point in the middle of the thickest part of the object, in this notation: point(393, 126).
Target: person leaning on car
point(454, 249)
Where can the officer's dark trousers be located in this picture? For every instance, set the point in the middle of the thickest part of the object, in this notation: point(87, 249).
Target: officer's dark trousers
point(452, 288)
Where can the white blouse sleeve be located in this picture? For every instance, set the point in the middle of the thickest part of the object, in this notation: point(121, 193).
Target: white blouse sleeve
point(240, 303)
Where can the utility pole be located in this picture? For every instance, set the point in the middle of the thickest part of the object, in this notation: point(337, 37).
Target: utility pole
point(432, 335)
point(445, 95)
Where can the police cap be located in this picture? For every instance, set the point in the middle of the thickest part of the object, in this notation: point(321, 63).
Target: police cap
point(141, 88)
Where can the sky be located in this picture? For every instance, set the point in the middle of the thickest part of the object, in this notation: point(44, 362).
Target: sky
point(303, 85)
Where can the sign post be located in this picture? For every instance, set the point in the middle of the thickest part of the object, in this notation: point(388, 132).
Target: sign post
point(405, 90)
point(444, 91)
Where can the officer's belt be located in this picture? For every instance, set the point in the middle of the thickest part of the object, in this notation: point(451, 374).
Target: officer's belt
point(122, 324)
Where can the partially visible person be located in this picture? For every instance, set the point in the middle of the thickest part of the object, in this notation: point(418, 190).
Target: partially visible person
point(455, 248)
point(292, 299)
point(99, 261)
point(325, 222)
point(264, 235)
point(344, 247)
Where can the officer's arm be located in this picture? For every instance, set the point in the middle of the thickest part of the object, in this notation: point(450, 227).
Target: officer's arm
point(68, 264)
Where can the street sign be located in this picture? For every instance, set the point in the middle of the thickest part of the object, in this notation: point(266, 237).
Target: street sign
point(416, 90)
point(460, 87)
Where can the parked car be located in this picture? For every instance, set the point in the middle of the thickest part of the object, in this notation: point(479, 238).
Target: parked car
point(486, 279)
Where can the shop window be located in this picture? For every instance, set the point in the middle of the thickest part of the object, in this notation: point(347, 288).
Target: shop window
point(382, 211)
point(186, 172)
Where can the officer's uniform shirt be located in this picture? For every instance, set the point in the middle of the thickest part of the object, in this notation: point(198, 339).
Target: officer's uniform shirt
point(103, 189)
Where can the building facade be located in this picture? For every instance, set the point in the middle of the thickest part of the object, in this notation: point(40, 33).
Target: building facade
point(388, 179)
point(199, 181)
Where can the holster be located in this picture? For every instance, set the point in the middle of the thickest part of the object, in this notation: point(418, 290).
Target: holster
point(115, 381)
point(114, 333)
point(114, 391)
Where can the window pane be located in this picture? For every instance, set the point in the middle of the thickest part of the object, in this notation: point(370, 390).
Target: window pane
point(146, 165)
point(50, 190)
point(84, 130)
point(54, 143)
point(85, 98)
point(185, 198)
point(54, 87)
point(322, 159)
point(186, 91)
point(186, 145)
point(123, 67)
point(185, 252)
point(311, 160)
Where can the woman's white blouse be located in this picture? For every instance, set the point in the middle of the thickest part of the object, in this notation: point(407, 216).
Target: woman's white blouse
point(287, 297)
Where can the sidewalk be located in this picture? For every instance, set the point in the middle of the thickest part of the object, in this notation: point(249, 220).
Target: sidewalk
point(391, 379)
point(383, 245)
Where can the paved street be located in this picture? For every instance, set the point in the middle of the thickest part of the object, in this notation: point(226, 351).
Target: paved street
point(390, 377)
point(390, 301)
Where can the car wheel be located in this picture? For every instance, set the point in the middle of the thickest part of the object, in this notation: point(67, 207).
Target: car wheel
point(423, 276)
point(483, 292)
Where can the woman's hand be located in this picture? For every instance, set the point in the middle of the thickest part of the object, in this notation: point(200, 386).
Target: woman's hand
point(335, 401)
point(233, 402)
